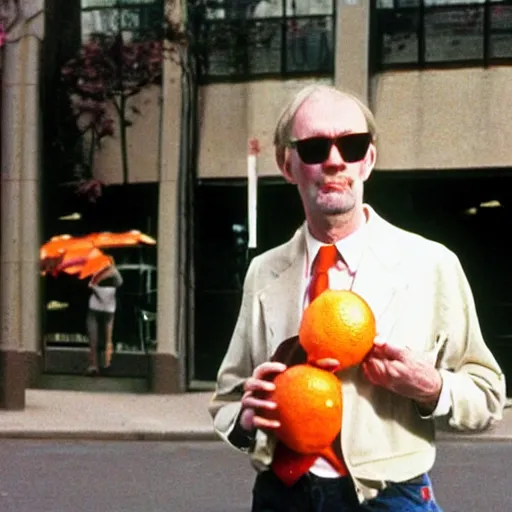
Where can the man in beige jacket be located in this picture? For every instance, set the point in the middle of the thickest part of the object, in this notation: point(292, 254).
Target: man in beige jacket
point(429, 360)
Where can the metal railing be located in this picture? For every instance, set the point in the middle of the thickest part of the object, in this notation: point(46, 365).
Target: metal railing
point(442, 35)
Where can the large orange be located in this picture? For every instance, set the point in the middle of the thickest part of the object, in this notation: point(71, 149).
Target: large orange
point(309, 407)
point(338, 324)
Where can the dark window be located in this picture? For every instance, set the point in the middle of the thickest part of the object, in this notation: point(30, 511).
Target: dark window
point(500, 31)
point(423, 33)
point(246, 40)
point(66, 297)
point(221, 258)
point(132, 17)
point(454, 33)
point(399, 36)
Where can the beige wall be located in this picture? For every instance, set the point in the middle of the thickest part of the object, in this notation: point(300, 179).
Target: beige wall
point(233, 113)
point(444, 119)
point(230, 114)
point(142, 139)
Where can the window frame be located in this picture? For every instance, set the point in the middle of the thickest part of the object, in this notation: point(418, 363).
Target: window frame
point(486, 59)
point(120, 6)
point(285, 71)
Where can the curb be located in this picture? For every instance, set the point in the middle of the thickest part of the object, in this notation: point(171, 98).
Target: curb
point(472, 438)
point(193, 436)
point(59, 435)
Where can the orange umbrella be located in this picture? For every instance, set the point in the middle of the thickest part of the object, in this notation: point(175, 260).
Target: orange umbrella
point(60, 244)
point(82, 255)
point(95, 265)
point(74, 261)
point(120, 239)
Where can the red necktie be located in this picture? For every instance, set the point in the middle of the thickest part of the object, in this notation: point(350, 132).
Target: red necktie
point(326, 258)
point(287, 464)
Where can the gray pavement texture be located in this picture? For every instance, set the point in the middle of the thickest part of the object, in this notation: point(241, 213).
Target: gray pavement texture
point(160, 476)
point(54, 414)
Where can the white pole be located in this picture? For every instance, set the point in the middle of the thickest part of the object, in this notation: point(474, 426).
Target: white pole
point(252, 193)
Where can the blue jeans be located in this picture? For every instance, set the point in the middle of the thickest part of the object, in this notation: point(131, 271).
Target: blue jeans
point(314, 494)
point(413, 496)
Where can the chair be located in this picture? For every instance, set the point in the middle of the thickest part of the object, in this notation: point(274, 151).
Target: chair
point(146, 321)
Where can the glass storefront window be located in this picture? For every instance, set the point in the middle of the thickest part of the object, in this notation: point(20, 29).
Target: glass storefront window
point(221, 258)
point(67, 297)
point(101, 149)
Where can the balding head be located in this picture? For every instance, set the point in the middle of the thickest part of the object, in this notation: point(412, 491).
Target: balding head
point(284, 128)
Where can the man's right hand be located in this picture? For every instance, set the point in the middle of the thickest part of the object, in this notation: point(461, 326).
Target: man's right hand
point(259, 385)
point(254, 399)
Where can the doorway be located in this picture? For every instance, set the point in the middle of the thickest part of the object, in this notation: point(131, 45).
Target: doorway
point(65, 297)
point(468, 211)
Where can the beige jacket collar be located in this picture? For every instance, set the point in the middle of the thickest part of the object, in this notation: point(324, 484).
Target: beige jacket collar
point(378, 279)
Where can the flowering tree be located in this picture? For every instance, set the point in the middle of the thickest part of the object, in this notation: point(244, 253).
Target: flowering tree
point(105, 73)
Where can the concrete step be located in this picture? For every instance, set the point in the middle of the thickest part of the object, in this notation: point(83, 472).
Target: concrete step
point(92, 384)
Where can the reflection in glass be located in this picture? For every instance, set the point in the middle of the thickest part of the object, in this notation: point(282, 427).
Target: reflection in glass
point(264, 46)
point(454, 34)
point(397, 4)
point(225, 48)
point(240, 252)
point(99, 3)
point(258, 37)
point(67, 298)
point(109, 21)
point(139, 297)
point(501, 31)
point(255, 47)
point(309, 44)
point(268, 9)
point(114, 3)
point(399, 31)
point(308, 7)
point(132, 17)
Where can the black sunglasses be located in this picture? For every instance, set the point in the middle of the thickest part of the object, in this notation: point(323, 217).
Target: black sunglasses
point(315, 150)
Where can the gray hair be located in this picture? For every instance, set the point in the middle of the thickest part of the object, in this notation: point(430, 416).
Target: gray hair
point(284, 126)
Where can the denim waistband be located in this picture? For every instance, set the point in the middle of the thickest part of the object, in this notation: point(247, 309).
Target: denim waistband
point(417, 480)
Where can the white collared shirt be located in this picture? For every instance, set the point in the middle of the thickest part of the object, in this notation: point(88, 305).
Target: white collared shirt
point(341, 276)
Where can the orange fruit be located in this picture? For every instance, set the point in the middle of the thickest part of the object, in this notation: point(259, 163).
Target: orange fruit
point(309, 407)
point(338, 324)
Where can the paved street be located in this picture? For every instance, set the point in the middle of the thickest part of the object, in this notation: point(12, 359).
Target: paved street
point(48, 476)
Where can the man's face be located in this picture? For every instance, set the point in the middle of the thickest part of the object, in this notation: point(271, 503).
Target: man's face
point(334, 186)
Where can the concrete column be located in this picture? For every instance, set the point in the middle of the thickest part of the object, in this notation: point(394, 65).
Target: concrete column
point(19, 249)
point(167, 368)
point(351, 68)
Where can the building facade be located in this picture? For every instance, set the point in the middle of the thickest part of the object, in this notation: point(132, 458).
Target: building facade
point(436, 74)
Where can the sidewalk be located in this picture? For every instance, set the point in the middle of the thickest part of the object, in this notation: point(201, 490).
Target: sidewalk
point(124, 416)
point(117, 416)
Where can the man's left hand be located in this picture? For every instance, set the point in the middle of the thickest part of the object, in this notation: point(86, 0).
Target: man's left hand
point(401, 371)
